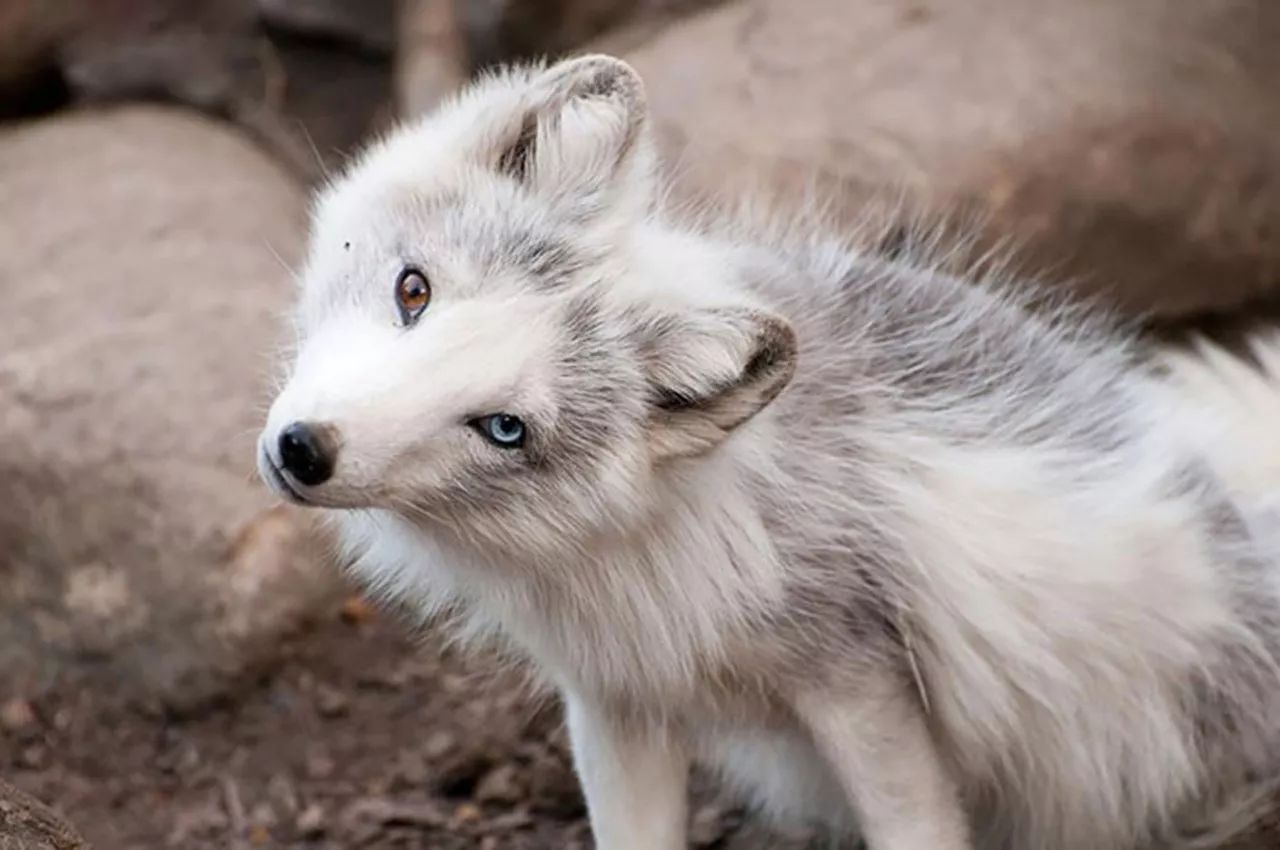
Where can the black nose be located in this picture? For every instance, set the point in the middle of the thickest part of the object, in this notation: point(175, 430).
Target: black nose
point(307, 453)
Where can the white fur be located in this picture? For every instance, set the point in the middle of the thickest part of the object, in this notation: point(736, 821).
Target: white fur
point(948, 584)
point(1241, 403)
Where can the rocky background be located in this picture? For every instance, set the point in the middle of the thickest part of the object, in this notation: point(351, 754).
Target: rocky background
point(180, 664)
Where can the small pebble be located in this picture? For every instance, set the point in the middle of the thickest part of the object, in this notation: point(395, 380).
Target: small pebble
point(356, 609)
point(466, 813)
point(319, 766)
point(263, 814)
point(17, 715)
point(511, 821)
point(188, 759)
point(280, 789)
point(500, 785)
point(411, 769)
point(438, 744)
point(33, 756)
point(311, 821)
point(331, 702)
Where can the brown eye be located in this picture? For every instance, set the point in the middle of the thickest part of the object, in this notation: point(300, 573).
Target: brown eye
point(413, 294)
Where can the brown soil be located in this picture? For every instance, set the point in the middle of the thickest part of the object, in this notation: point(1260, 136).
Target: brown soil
point(363, 738)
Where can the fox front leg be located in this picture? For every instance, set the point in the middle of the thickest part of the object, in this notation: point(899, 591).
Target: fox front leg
point(877, 742)
point(635, 785)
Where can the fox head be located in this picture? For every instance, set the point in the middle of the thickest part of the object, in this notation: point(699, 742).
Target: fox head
point(484, 344)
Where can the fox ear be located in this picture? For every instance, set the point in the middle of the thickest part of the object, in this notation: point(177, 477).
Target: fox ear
point(580, 137)
point(710, 371)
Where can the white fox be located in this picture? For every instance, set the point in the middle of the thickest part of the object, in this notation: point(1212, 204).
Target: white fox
point(895, 552)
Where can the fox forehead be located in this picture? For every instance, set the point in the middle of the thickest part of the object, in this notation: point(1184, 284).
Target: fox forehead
point(472, 235)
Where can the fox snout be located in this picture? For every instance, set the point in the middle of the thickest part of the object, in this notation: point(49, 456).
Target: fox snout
point(301, 455)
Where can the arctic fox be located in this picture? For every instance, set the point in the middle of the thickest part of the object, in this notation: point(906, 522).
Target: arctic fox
point(893, 551)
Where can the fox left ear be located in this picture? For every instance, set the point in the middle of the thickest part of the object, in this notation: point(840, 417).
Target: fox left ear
point(582, 136)
point(710, 371)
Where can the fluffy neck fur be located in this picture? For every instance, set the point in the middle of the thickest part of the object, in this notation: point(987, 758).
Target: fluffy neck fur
point(616, 621)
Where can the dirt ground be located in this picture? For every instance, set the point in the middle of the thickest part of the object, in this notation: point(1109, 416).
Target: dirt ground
point(365, 737)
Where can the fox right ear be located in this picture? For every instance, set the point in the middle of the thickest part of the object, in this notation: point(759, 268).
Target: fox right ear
point(581, 136)
point(709, 371)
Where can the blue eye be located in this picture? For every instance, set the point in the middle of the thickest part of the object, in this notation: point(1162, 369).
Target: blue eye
point(502, 429)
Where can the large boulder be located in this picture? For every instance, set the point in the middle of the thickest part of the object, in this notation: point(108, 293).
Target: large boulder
point(310, 78)
point(142, 272)
point(1133, 146)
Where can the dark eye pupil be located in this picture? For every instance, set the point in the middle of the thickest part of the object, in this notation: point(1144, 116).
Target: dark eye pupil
point(506, 429)
point(414, 289)
point(413, 294)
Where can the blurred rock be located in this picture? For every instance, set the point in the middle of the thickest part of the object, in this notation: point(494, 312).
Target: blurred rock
point(197, 52)
point(369, 24)
point(502, 30)
point(310, 822)
point(28, 824)
point(442, 42)
point(310, 78)
point(1133, 147)
point(331, 702)
point(30, 32)
point(502, 784)
point(141, 266)
point(17, 717)
point(324, 103)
